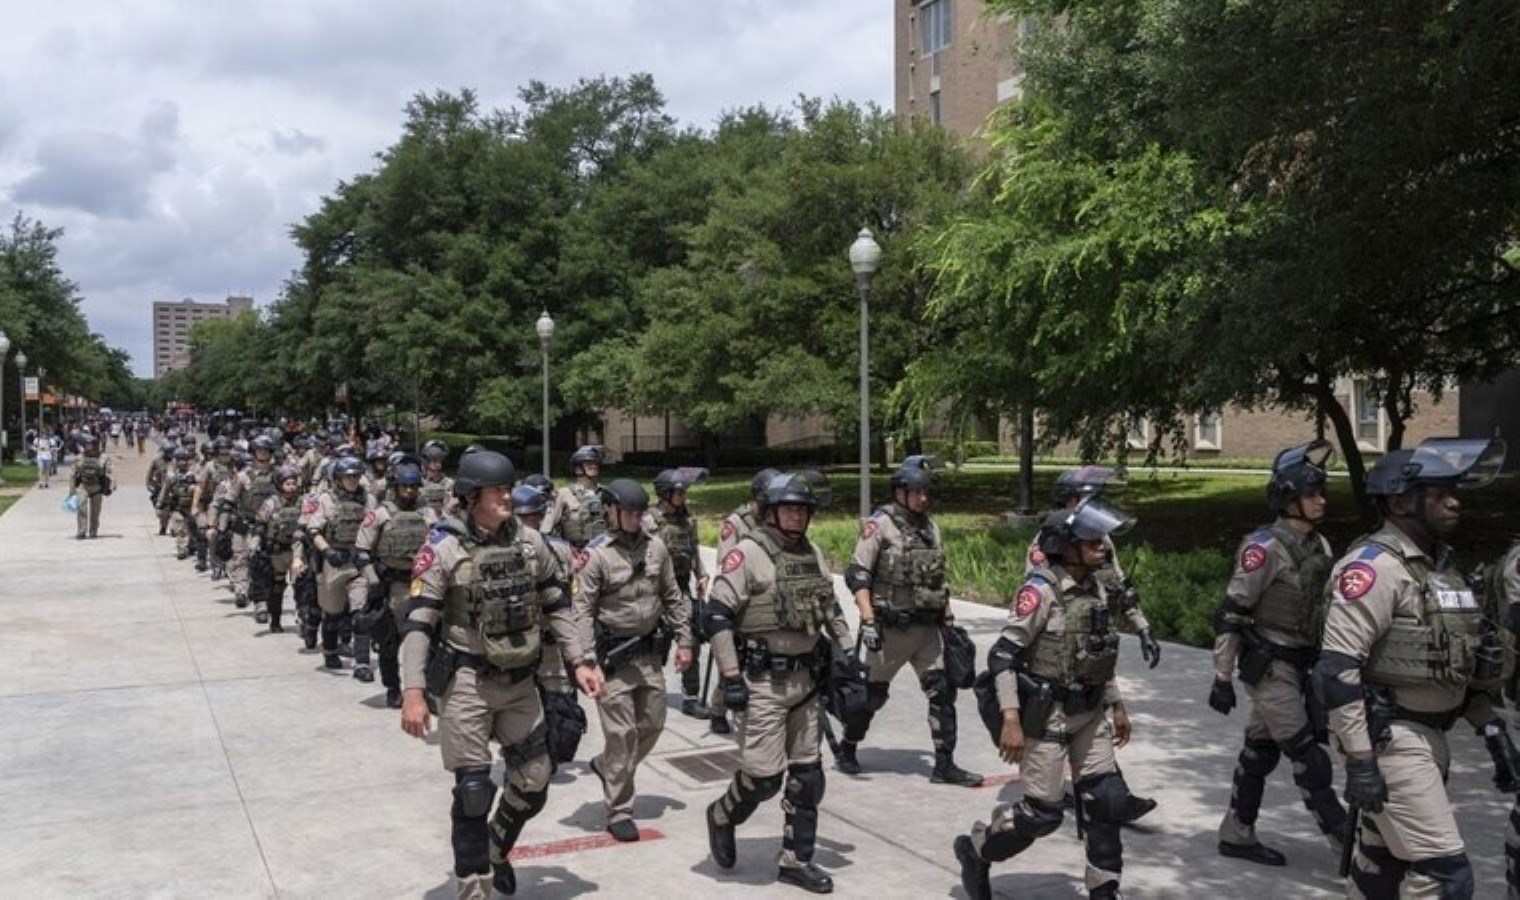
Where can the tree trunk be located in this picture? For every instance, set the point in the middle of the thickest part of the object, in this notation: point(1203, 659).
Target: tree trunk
point(1345, 434)
point(1395, 412)
point(1026, 459)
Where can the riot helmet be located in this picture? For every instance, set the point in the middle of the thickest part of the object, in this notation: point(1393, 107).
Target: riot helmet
point(347, 465)
point(625, 493)
point(1090, 520)
point(1087, 481)
point(529, 500)
point(406, 474)
point(1296, 470)
point(587, 453)
point(482, 469)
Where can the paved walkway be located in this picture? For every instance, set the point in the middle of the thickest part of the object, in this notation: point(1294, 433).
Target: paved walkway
point(157, 743)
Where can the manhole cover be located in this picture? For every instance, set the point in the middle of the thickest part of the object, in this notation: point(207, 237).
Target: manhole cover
point(709, 767)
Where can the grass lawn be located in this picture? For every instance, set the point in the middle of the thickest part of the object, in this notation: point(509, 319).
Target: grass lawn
point(1179, 553)
point(17, 476)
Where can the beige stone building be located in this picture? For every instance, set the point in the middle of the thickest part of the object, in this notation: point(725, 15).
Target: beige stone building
point(172, 321)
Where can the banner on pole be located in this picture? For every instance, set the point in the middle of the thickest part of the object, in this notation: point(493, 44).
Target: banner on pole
point(32, 388)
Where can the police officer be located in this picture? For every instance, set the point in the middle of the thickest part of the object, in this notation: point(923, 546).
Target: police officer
point(374, 480)
point(331, 527)
point(1406, 653)
point(388, 540)
point(245, 493)
point(564, 719)
point(677, 527)
point(629, 608)
point(577, 514)
point(736, 527)
point(1053, 669)
point(91, 484)
point(898, 579)
point(1269, 626)
point(771, 614)
point(1072, 487)
point(272, 540)
point(174, 500)
point(162, 463)
point(214, 471)
point(437, 488)
point(481, 587)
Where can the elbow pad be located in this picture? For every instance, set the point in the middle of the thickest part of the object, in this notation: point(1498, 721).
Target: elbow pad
point(1230, 618)
point(857, 577)
point(1329, 689)
point(1003, 656)
point(716, 618)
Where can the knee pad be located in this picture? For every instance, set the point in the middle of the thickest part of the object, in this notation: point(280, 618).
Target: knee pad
point(527, 803)
point(533, 745)
point(1297, 745)
point(1259, 757)
point(565, 723)
point(1105, 847)
point(1035, 818)
point(473, 792)
point(1104, 797)
point(1453, 873)
point(804, 784)
point(876, 695)
point(1311, 767)
point(936, 687)
point(758, 790)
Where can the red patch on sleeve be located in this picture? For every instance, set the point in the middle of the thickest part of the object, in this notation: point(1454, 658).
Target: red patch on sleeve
point(733, 560)
point(728, 529)
point(1253, 557)
point(369, 519)
point(1028, 600)
point(310, 506)
point(1356, 580)
point(424, 561)
point(579, 558)
point(868, 529)
point(1037, 556)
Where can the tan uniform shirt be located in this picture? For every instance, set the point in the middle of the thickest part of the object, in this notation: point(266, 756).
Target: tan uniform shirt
point(321, 510)
point(628, 584)
point(1370, 586)
point(880, 531)
point(1262, 561)
point(565, 504)
point(1111, 576)
point(443, 562)
point(735, 528)
point(1040, 606)
point(240, 482)
point(748, 575)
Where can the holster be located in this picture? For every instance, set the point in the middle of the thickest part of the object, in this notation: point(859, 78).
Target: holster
point(844, 683)
point(224, 545)
point(1255, 658)
point(1037, 700)
point(442, 663)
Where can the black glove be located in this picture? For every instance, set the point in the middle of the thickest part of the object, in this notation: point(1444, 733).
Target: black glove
point(334, 556)
point(1150, 649)
point(374, 595)
point(1129, 597)
point(1222, 697)
point(1365, 786)
point(870, 635)
point(735, 694)
point(1506, 758)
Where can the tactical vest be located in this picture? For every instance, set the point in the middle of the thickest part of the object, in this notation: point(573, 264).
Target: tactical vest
point(911, 574)
point(500, 602)
point(1439, 647)
point(399, 540)
point(91, 474)
point(260, 487)
point(284, 523)
point(1298, 609)
point(680, 537)
point(1076, 654)
point(800, 598)
point(156, 473)
point(182, 491)
point(434, 494)
point(585, 520)
point(348, 515)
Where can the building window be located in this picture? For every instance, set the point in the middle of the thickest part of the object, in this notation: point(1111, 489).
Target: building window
point(1139, 437)
point(1369, 415)
point(934, 18)
point(1209, 431)
point(934, 107)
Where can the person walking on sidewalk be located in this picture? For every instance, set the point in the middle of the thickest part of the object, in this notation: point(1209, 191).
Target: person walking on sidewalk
point(91, 484)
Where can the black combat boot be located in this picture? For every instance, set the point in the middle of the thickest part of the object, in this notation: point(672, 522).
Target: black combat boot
point(947, 772)
point(719, 724)
point(393, 697)
point(808, 877)
point(976, 878)
point(845, 760)
point(720, 839)
point(1108, 890)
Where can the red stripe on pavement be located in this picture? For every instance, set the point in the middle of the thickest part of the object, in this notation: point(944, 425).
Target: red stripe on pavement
point(999, 780)
point(575, 845)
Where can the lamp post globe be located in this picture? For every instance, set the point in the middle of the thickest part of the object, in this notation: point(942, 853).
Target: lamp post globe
point(865, 258)
point(545, 328)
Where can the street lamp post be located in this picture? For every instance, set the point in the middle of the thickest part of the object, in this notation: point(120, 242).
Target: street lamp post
point(21, 392)
point(5, 346)
point(545, 327)
point(865, 257)
point(41, 403)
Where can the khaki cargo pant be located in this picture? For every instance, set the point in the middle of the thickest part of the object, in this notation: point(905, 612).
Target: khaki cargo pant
point(87, 518)
point(1417, 821)
point(773, 735)
point(1087, 749)
point(920, 645)
point(237, 567)
point(341, 589)
point(179, 526)
point(632, 709)
point(478, 709)
point(1278, 713)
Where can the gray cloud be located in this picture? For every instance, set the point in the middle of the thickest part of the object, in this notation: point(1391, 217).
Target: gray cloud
point(294, 141)
point(102, 173)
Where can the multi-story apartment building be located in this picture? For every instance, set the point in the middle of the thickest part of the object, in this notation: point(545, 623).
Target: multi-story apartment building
point(172, 321)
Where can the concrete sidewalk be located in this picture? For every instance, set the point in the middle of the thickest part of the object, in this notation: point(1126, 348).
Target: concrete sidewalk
point(158, 743)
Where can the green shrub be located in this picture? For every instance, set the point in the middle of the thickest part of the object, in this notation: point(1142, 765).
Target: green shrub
point(744, 458)
point(1179, 590)
point(947, 450)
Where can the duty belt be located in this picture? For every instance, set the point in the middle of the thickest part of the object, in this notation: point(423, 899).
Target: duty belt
point(1440, 721)
point(893, 617)
point(477, 662)
point(1298, 657)
point(1076, 698)
point(777, 664)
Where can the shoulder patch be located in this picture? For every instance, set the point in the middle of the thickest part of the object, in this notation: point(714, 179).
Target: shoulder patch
point(869, 528)
point(733, 560)
point(1356, 580)
point(369, 519)
point(310, 505)
point(424, 561)
point(1028, 600)
point(579, 558)
point(1037, 556)
point(438, 534)
point(1253, 557)
point(728, 529)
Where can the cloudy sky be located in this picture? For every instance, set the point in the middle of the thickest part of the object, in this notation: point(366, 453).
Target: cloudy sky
point(176, 141)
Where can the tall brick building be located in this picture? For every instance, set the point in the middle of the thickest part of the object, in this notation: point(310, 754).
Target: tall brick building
point(953, 64)
point(172, 321)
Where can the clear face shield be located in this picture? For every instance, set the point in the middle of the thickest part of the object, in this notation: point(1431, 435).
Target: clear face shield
point(1316, 454)
point(1094, 520)
point(823, 492)
point(1462, 462)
